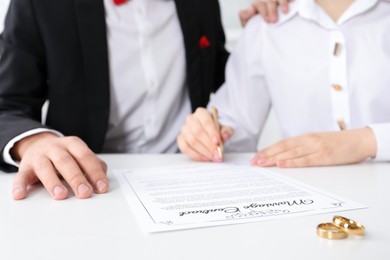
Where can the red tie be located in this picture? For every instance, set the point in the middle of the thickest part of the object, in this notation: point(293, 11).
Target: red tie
point(119, 2)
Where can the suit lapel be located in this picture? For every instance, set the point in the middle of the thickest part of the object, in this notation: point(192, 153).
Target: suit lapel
point(187, 11)
point(92, 33)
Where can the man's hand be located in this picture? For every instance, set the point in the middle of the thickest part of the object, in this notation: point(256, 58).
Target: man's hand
point(266, 8)
point(199, 137)
point(320, 149)
point(46, 157)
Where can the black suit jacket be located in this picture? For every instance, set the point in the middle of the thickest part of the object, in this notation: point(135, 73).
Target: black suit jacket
point(57, 50)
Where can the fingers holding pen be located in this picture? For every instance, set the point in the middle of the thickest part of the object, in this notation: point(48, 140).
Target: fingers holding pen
point(226, 132)
point(196, 139)
point(199, 137)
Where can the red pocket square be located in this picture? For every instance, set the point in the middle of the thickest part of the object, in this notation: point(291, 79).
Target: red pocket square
point(119, 2)
point(204, 42)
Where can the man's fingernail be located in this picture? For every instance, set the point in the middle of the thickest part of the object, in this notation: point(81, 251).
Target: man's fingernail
point(58, 191)
point(101, 186)
point(83, 189)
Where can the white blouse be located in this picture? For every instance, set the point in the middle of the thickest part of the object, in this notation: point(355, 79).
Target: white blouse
point(315, 73)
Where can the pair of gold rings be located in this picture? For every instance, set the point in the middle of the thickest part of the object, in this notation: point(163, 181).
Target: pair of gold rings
point(340, 228)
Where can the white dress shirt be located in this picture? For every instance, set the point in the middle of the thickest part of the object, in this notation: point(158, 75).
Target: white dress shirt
point(295, 67)
point(149, 96)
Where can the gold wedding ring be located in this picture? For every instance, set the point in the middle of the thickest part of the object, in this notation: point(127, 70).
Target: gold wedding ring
point(340, 228)
point(331, 231)
point(348, 225)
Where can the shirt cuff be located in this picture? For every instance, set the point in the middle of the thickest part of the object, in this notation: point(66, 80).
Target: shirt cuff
point(6, 152)
point(382, 136)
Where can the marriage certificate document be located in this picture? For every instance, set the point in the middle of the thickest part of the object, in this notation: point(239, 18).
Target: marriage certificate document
point(210, 194)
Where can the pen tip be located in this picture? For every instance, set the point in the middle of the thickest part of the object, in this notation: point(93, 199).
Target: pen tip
point(220, 152)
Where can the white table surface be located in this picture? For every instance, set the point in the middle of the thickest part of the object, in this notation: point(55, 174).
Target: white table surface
point(104, 227)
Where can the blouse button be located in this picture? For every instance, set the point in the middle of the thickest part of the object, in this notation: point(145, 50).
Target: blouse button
point(337, 87)
point(337, 49)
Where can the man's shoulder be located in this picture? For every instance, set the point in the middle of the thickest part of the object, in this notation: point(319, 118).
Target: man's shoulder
point(38, 3)
point(34, 7)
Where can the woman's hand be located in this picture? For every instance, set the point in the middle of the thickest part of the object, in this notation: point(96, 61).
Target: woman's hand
point(320, 149)
point(199, 137)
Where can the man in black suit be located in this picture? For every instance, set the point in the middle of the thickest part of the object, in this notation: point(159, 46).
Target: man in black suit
point(69, 53)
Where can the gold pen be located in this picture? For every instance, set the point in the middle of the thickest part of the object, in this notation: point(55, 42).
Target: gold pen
point(214, 115)
point(342, 125)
